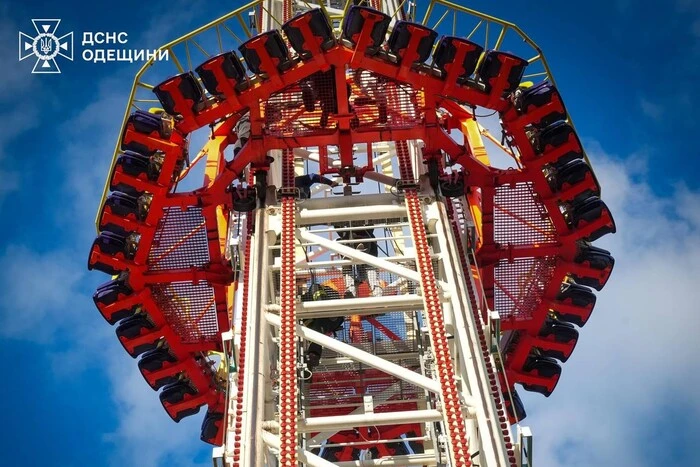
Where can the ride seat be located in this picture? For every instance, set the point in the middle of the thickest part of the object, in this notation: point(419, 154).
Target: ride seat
point(173, 396)
point(266, 54)
point(557, 339)
point(596, 259)
point(544, 369)
point(180, 95)
point(220, 69)
point(554, 135)
point(456, 57)
point(528, 100)
point(401, 38)
point(122, 204)
point(133, 163)
point(138, 334)
point(591, 211)
point(516, 409)
point(154, 361)
point(213, 428)
point(111, 245)
point(111, 292)
point(574, 173)
point(366, 28)
point(501, 72)
point(113, 316)
point(310, 33)
point(574, 304)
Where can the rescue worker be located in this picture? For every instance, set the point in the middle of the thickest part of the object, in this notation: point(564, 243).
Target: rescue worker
point(305, 182)
point(358, 273)
point(242, 130)
point(315, 292)
point(320, 87)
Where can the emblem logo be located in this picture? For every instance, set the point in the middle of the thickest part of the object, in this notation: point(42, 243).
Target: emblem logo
point(46, 46)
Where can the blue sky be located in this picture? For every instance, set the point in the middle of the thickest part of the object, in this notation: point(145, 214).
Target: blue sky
point(628, 72)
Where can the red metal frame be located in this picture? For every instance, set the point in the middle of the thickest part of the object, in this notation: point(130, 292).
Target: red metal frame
point(436, 92)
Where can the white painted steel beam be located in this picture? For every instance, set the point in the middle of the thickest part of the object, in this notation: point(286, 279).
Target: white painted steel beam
point(365, 258)
point(352, 253)
point(471, 367)
point(349, 208)
point(356, 306)
point(416, 459)
point(361, 356)
point(343, 422)
point(273, 441)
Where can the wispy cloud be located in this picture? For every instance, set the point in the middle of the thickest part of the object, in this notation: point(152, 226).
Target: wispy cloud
point(691, 9)
point(88, 144)
point(696, 28)
point(16, 77)
point(145, 435)
point(18, 114)
point(9, 182)
point(33, 310)
point(635, 360)
point(650, 109)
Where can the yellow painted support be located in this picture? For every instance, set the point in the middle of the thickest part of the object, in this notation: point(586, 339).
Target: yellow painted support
point(472, 135)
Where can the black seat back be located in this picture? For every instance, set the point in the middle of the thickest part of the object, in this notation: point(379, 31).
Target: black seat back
point(401, 35)
point(231, 68)
point(354, 25)
point(446, 53)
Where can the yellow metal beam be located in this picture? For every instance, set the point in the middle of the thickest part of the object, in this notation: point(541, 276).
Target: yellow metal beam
point(472, 137)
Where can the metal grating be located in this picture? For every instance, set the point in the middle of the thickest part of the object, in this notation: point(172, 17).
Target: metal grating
point(180, 241)
point(333, 393)
point(520, 285)
point(379, 102)
point(385, 334)
point(338, 385)
point(189, 309)
point(309, 107)
point(304, 108)
point(519, 218)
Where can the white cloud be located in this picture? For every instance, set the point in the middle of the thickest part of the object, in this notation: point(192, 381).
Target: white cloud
point(637, 355)
point(42, 299)
point(696, 28)
point(36, 287)
point(89, 138)
point(17, 116)
point(9, 182)
point(16, 76)
point(650, 109)
point(145, 435)
point(691, 11)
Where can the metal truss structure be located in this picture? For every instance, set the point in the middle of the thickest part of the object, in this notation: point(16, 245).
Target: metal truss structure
point(385, 318)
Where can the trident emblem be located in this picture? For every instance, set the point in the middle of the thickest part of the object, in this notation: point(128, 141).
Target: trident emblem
point(46, 46)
